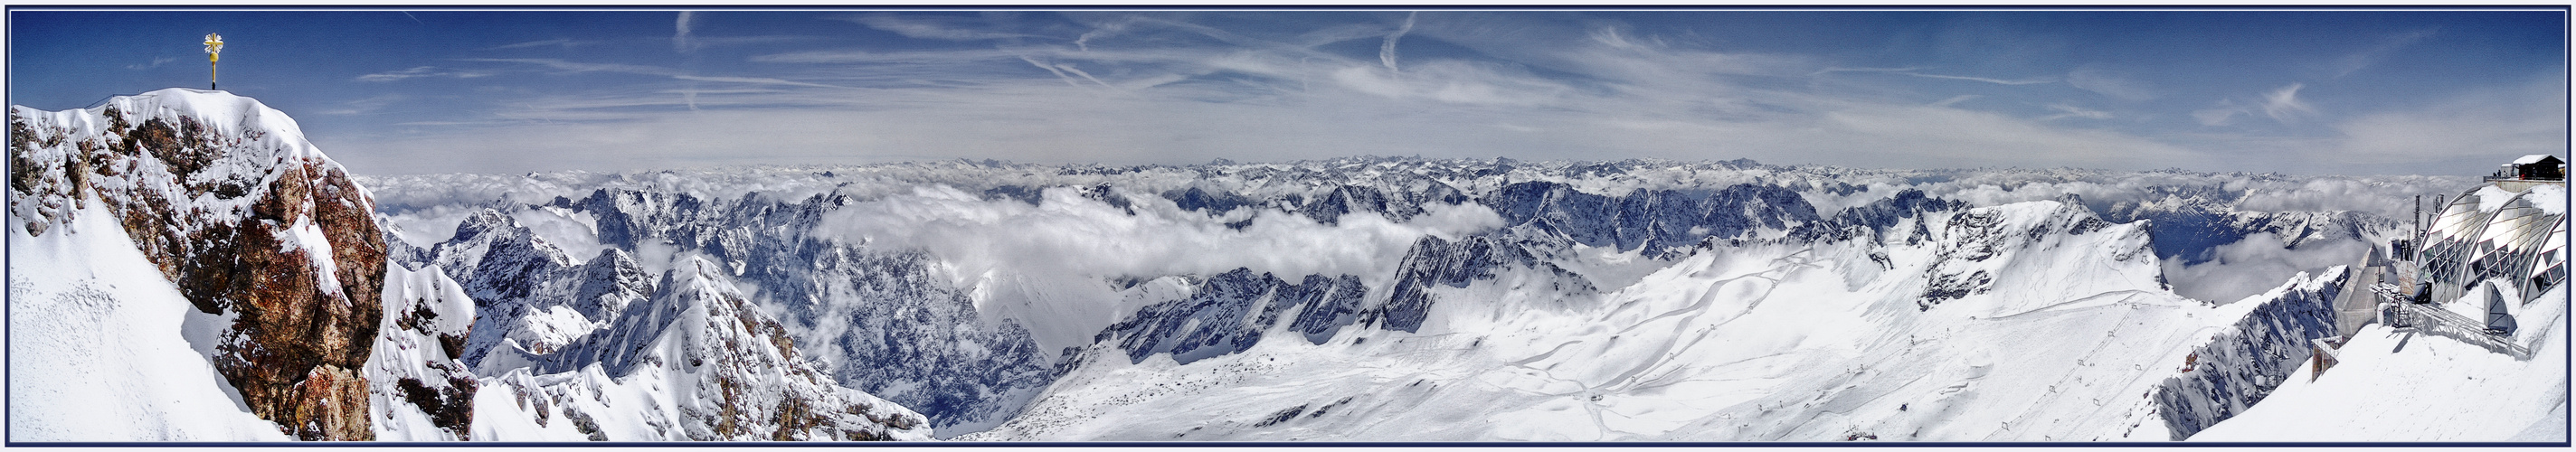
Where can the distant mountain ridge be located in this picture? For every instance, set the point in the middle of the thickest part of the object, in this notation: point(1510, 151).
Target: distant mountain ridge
point(790, 237)
point(1366, 298)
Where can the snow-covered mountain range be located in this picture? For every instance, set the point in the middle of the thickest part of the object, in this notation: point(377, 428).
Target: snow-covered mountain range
point(1358, 299)
point(186, 266)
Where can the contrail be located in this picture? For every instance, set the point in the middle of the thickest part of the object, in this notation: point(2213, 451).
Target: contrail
point(1059, 72)
point(1983, 79)
point(1085, 75)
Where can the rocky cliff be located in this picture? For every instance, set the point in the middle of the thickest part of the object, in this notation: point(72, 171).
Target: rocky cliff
point(247, 218)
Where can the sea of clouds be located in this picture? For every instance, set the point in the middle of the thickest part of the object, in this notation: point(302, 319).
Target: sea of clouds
point(1007, 252)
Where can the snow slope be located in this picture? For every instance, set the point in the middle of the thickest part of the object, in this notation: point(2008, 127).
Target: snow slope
point(1800, 342)
point(418, 390)
point(2400, 384)
point(98, 354)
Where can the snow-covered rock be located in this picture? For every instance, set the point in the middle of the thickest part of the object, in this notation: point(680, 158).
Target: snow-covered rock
point(543, 321)
point(418, 390)
point(1229, 312)
point(250, 221)
point(1987, 247)
point(874, 319)
point(696, 363)
point(2243, 363)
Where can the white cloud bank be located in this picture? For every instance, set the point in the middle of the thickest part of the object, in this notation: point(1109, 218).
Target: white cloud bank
point(2254, 265)
point(1067, 234)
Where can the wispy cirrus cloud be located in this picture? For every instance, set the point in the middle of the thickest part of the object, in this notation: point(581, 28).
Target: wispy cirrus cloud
point(2109, 84)
point(1915, 72)
point(565, 43)
point(156, 62)
point(2070, 111)
point(2284, 105)
point(572, 67)
point(1831, 70)
point(1178, 87)
point(424, 72)
point(756, 81)
point(681, 42)
point(579, 67)
point(858, 56)
point(2281, 104)
point(1998, 81)
point(1386, 52)
point(1280, 97)
point(927, 28)
point(366, 105)
point(1954, 100)
point(2364, 58)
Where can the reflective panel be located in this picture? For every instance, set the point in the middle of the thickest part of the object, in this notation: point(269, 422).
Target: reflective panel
point(2519, 243)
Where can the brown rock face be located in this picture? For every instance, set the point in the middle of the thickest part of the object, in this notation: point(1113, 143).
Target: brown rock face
point(296, 344)
point(233, 218)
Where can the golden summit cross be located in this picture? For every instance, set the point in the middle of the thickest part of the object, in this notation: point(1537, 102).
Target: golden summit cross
point(214, 50)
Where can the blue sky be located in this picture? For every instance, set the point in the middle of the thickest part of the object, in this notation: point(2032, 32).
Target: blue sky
point(2411, 91)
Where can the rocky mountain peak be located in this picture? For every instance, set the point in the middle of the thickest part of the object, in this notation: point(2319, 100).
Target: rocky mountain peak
point(250, 221)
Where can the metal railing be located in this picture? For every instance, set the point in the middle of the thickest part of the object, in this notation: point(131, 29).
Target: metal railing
point(2433, 320)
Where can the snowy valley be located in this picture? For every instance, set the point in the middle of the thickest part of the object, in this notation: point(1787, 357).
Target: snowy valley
point(185, 266)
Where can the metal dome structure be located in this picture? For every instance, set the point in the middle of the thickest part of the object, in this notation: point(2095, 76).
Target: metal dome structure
point(2518, 238)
